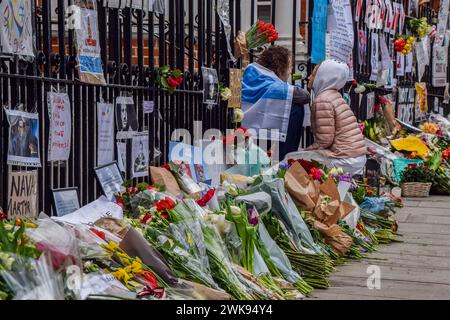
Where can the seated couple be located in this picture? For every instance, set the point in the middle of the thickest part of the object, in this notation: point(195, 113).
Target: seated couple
point(269, 102)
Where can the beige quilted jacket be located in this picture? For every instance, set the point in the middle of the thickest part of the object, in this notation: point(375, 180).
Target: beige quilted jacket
point(335, 127)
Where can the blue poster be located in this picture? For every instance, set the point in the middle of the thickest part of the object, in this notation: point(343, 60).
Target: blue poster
point(319, 28)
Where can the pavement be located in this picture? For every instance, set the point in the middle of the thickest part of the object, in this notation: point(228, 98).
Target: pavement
point(417, 268)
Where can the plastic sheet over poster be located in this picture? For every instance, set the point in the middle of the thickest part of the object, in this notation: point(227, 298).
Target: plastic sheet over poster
point(88, 45)
point(16, 31)
point(23, 144)
point(60, 126)
point(440, 48)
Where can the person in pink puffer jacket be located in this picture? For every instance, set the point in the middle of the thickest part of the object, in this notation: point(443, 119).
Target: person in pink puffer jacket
point(335, 128)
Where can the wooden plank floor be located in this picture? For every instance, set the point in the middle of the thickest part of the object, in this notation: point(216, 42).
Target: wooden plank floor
point(418, 268)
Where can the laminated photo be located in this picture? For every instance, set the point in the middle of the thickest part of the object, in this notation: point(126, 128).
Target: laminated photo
point(126, 117)
point(23, 146)
point(139, 156)
point(210, 86)
point(88, 44)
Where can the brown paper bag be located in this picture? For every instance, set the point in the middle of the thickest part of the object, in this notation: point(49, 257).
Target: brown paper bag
point(240, 45)
point(300, 186)
point(329, 188)
point(164, 177)
point(335, 237)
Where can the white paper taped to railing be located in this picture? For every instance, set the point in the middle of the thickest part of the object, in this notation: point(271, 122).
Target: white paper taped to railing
point(340, 27)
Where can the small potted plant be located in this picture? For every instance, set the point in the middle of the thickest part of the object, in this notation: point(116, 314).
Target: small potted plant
point(416, 180)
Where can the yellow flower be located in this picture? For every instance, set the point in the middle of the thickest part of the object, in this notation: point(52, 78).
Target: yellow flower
point(122, 275)
point(238, 115)
point(412, 144)
point(429, 127)
point(226, 94)
point(111, 246)
point(135, 267)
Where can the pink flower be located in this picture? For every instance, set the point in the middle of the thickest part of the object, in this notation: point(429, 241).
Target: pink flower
point(316, 174)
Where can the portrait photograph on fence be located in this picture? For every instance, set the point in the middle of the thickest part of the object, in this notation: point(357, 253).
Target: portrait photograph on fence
point(23, 141)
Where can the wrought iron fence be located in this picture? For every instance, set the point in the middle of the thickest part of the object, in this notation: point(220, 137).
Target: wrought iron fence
point(187, 37)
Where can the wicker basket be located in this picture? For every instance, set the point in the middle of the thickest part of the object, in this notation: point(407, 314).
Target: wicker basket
point(416, 189)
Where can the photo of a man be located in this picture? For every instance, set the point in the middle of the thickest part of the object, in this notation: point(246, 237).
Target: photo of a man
point(19, 139)
point(139, 156)
point(139, 162)
point(23, 146)
point(126, 114)
point(210, 86)
point(200, 172)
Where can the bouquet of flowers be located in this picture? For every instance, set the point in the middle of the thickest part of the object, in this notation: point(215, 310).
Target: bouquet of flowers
point(169, 79)
point(417, 173)
point(403, 44)
point(258, 35)
point(419, 27)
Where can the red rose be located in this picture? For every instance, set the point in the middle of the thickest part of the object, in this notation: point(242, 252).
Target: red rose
point(354, 82)
point(2, 216)
point(206, 198)
point(99, 233)
point(172, 82)
point(260, 24)
point(166, 166)
point(179, 79)
point(145, 219)
point(165, 204)
point(164, 216)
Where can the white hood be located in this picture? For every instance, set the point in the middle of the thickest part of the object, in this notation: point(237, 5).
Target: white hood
point(330, 75)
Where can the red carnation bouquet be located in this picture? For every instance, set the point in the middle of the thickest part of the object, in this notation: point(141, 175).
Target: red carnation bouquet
point(258, 35)
point(169, 79)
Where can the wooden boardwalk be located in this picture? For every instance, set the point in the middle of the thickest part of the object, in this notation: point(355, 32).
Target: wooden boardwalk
point(418, 268)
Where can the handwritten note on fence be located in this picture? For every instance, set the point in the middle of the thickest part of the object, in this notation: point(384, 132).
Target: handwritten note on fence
point(340, 27)
point(60, 126)
point(22, 194)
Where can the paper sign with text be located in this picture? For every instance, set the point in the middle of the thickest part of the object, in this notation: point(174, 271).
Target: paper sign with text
point(22, 194)
point(60, 126)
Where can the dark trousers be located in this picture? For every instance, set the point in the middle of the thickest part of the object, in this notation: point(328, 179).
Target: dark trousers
point(295, 131)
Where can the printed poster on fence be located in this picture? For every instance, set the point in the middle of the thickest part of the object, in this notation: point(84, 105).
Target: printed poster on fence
point(22, 194)
point(126, 118)
point(421, 101)
point(139, 155)
point(88, 45)
point(236, 88)
point(105, 133)
point(210, 86)
point(440, 48)
point(340, 27)
point(23, 142)
point(16, 31)
point(60, 126)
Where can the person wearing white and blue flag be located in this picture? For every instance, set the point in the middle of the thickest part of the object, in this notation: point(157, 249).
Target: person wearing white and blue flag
point(271, 106)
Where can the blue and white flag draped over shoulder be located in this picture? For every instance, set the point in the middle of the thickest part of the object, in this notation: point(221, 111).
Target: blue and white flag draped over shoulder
point(266, 102)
